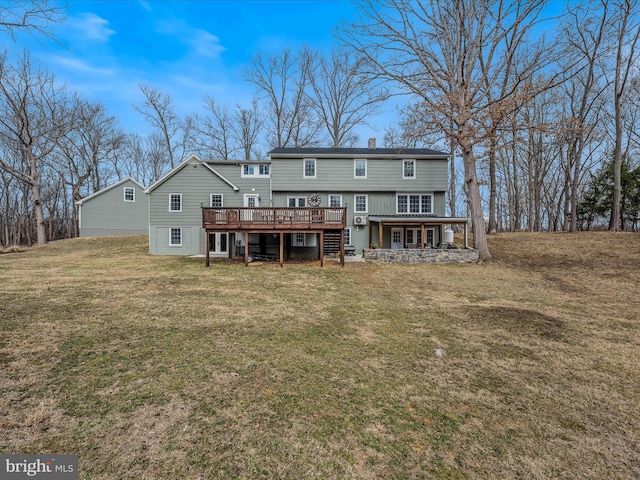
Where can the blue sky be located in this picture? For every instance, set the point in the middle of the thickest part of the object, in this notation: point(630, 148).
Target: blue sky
point(187, 49)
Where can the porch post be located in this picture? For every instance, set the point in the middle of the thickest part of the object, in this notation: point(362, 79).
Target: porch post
point(380, 227)
point(422, 236)
point(322, 248)
point(246, 249)
point(466, 235)
point(371, 234)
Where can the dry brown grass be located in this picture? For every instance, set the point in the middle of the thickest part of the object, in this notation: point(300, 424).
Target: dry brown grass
point(156, 367)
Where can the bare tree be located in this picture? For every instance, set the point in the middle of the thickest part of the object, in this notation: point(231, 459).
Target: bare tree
point(33, 16)
point(341, 97)
point(34, 116)
point(246, 129)
point(157, 109)
point(282, 82)
point(214, 130)
point(434, 50)
point(86, 151)
point(627, 32)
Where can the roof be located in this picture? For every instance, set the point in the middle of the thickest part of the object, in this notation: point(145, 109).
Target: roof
point(110, 187)
point(191, 160)
point(418, 219)
point(355, 152)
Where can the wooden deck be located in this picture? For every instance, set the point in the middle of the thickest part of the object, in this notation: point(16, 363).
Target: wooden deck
point(278, 220)
point(273, 219)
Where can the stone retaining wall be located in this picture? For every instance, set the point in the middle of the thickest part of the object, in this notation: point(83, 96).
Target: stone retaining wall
point(429, 255)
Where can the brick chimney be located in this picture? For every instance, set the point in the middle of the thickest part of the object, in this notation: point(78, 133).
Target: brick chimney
point(372, 143)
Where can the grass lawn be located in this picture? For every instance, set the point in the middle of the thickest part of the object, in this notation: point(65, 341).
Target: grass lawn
point(154, 367)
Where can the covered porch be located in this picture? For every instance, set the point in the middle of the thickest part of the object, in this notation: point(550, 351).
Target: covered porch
point(419, 232)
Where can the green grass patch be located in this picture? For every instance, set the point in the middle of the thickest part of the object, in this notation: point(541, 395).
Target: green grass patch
point(157, 367)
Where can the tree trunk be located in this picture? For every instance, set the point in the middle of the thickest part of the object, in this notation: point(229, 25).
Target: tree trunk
point(475, 202)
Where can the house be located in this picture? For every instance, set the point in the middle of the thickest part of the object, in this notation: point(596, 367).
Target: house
point(302, 203)
point(118, 210)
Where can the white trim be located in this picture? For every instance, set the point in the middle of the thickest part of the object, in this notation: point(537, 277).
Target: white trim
point(171, 237)
point(297, 198)
point(304, 168)
point(355, 203)
point(408, 195)
point(339, 195)
point(110, 187)
point(254, 174)
point(170, 202)
point(415, 165)
point(355, 168)
point(221, 199)
point(133, 191)
point(251, 195)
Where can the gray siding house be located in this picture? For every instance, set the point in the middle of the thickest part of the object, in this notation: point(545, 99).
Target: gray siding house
point(303, 202)
point(118, 210)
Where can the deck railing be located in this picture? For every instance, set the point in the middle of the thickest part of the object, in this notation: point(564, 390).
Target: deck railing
point(273, 218)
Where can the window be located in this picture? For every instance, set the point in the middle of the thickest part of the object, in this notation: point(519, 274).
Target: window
point(175, 237)
point(361, 203)
point(249, 170)
point(297, 201)
point(175, 202)
point(360, 168)
point(298, 240)
point(216, 200)
point(335, 201)
point(129, 194)
point(413, 236)
point(309, 168)
point(414, 203)
point(347, 236)
point(408, 169)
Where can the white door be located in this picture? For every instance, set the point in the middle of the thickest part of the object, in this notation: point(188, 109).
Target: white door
point(251, 201)
point(219, 244)
point(396, 239)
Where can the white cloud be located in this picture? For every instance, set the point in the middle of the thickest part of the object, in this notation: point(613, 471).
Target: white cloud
point(81, 66)
point(206, 44)
point(199, 41)
point(92, 27)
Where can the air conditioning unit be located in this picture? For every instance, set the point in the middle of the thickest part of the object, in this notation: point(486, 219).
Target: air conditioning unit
point(360, 220)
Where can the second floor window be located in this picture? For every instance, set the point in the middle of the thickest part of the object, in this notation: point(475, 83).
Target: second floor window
point(175, 202)
point(297, 201)
point(361, 203)
point(360, 168)
point(129, 194)
point(408, 169)
point(309, 168)
point(249, 170)
point(335, 201)
point(414, 203)
point(216, 200)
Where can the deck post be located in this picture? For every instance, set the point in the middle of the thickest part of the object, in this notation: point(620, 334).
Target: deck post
point(246, 249)
point(281, 249)
point(206, 245)
point(422, 236)
point(380, 228)
point(342, 246)
point(322, 248)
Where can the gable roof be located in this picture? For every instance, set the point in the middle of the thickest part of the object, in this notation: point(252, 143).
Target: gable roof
point(191, 160)
point(355, 152)
point(110, 187)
